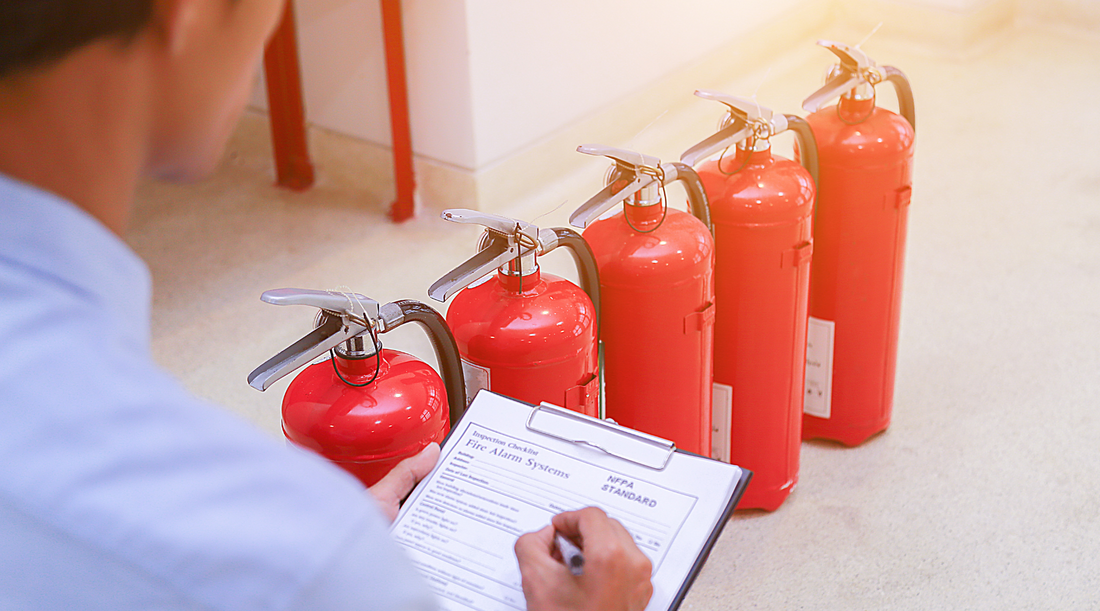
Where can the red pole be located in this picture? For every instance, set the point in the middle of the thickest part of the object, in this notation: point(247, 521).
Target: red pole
point(403, 207)
point(293, 168)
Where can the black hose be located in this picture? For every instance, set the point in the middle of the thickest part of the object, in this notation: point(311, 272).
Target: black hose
point(587, 269)
point(904, 90)
point(446, 350)
point(697, 195)
point(807, 144)
point(698, 204)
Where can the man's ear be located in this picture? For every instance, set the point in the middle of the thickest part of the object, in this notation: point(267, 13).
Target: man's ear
point(174, 22)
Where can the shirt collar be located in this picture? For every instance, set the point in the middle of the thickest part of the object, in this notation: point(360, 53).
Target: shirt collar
point(53, 237)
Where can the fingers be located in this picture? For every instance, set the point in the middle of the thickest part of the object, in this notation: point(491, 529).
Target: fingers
point(536, 547)
point(616, 573)
point(592, 526)
point(547, 583)
point(399, 482)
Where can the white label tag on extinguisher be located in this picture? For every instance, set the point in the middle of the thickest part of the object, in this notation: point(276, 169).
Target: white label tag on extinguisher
point(722, 402)
point(477, 378)
point(819, 367)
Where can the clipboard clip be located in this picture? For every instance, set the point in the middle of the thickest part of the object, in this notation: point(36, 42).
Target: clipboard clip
point(610, 438)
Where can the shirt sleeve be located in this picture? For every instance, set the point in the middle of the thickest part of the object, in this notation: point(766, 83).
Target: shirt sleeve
point(355, 581)
point(139, 492)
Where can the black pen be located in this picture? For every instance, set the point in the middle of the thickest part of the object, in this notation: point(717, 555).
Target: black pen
point(570, 553)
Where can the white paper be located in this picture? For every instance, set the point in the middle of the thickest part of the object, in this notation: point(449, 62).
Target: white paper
point(497, 480)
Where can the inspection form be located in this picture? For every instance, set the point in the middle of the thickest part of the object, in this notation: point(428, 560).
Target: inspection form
point(498, 478)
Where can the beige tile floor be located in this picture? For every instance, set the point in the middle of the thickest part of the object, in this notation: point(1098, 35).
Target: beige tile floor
point(985, 492)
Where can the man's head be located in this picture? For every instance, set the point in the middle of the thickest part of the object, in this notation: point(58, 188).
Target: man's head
point(37, 32)
point(190, 64)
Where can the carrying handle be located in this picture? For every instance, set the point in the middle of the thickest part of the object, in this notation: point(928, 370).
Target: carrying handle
point(330, 333)
point(745, 109)
point(493, 222)
point(497, 253)
point(625, 158)
point(836, 86)
point(351, 304)
point(639, 172)
point(727, 136)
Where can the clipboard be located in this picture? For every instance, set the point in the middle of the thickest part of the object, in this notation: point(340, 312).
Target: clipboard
point(603, 435)
point(507, 464)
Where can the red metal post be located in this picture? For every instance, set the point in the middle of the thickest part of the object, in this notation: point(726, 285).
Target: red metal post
point(293, 168)
point(403, 207)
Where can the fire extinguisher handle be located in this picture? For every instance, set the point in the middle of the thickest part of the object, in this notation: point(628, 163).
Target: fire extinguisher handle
point(698, 203)
point(446, 350)
point(904, 91)
point(588, 270)
point(493, 222)
point(346, 315)
point(336, 302)
point(638, 171)
point(331, 332)
point(697, 195)
point(807, 144)
point(744, 110)
point(622, 157)
point(836, 86)
point(496, 253)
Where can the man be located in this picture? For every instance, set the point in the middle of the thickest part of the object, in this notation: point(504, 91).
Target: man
point(118, 490)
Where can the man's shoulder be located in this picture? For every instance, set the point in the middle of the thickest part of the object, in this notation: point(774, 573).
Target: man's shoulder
point(106, 452)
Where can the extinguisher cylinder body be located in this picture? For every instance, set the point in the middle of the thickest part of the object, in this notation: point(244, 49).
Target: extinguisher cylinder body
point(657, 321)
point(762, 211)
point(530, 337)
point(366, 430)
point(866, 160)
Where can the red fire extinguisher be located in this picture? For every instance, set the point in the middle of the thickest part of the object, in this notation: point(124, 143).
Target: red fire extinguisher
point(761, 206)
point(866, 163)
point(656, 268)
point(523, 333)
point(366, 408)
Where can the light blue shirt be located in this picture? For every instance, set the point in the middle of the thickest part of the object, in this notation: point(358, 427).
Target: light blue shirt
point(119, 490)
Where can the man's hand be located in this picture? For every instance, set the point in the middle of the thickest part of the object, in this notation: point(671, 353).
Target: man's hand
point(399, 482)
point(616, 573)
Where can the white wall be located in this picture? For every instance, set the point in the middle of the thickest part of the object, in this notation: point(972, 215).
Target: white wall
point(536, 66)
point(344, 73)
point(1080, 13)
point(490, 77)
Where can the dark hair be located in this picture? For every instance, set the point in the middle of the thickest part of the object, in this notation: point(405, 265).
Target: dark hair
point(37, 32)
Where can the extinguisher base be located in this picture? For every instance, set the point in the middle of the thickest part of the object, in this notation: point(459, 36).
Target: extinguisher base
point(849, 436)
point(766, 498)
